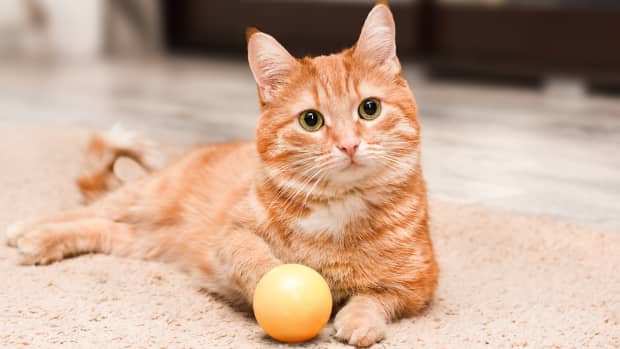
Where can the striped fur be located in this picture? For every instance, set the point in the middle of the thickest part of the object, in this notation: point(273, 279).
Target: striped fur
point(231, 212)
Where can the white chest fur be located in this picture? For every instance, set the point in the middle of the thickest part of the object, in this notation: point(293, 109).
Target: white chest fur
point(332, 217)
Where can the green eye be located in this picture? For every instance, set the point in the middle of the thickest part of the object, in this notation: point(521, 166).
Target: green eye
point(369, 109)
point(311, 120)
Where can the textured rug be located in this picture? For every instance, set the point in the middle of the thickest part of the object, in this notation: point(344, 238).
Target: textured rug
point(507, 281)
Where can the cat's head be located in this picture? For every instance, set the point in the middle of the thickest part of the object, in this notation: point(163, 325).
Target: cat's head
point(347, 119)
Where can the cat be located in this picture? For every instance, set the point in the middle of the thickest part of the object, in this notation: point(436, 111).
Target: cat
point(333, 181)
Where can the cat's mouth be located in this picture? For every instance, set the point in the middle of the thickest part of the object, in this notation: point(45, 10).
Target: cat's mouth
point(352, 165)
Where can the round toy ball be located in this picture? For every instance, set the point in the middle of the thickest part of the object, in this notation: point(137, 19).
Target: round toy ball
point(292, 303)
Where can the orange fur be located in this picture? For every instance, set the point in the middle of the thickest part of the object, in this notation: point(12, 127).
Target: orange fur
point(249, 31)
point(231, 212)
point(101, 155)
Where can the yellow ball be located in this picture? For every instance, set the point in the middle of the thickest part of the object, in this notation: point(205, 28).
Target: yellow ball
point(292, 303)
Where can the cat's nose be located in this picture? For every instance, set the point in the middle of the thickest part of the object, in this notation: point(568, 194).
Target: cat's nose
point(349, 147)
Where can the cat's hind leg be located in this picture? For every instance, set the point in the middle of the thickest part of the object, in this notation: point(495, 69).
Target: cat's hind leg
point(92, 228)
point(50, 242)
point(15, 231)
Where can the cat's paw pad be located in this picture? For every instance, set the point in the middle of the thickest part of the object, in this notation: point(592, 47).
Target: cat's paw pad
point(13, 232)
point(38, 248)
point(359, 328)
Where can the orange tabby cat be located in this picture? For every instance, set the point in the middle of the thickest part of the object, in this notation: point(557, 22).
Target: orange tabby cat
point(333, 181)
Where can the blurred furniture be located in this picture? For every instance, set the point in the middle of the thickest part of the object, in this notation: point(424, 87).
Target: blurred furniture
point(302, 26)
point(48, 30)
point(132, 28)
point(518, 39)
point(24, 31)
point(528, 39)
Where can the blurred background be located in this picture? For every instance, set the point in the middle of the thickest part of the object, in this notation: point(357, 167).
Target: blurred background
point(519, 100)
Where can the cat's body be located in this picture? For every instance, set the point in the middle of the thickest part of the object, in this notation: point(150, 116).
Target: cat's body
point(340, 192)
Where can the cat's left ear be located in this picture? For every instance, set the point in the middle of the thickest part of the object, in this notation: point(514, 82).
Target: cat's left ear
point(270, 63)
point(377, 42)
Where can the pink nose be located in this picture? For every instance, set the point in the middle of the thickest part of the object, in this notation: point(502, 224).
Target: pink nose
point(349, 147)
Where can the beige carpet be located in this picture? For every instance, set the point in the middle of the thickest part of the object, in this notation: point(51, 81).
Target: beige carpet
point(507, 281)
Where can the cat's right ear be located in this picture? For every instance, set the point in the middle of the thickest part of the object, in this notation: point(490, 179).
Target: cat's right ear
point(271, 64)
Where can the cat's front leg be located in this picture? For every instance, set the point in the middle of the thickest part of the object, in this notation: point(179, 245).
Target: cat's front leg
point(235, 262)
point(363, 320)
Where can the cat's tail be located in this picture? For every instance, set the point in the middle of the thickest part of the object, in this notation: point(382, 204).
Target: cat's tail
point(101, 154)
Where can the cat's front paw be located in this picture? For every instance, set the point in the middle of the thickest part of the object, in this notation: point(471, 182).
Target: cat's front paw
point(13, 232)
point(359, 326)
point(39, 248)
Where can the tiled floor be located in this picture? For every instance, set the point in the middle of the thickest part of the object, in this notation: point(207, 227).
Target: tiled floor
point(515, 149)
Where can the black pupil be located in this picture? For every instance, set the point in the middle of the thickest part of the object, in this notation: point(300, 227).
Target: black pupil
point(370, 107)
point(311, 118)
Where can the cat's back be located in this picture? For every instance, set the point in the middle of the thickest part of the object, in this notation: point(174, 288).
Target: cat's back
point(205, 180)
point(222, 166)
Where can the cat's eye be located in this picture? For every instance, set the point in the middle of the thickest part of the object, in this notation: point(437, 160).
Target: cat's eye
point(369, 109)
point(311, 120)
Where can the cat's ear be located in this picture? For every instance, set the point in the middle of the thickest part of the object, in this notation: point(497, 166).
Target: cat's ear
point(377, 42)
point(270, 63)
